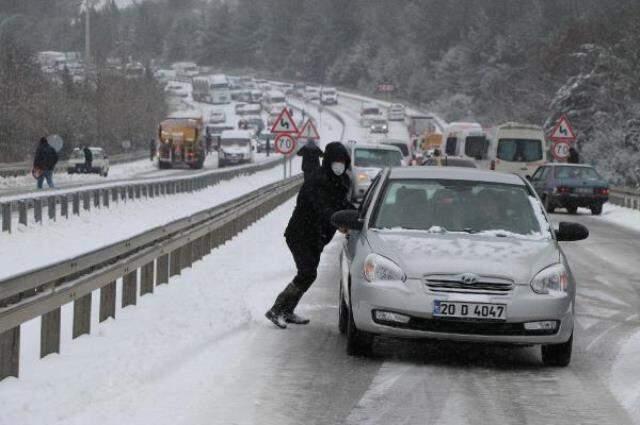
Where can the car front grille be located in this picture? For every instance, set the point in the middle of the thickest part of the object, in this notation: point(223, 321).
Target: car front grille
point(489, 285)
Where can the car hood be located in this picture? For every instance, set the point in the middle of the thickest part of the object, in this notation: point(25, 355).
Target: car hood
point(419, 253)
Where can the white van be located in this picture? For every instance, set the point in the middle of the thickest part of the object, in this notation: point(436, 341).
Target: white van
point(467, 140)
point(517, 148)
point(274, 101)
point(329, 96)
point(220, 93)
point(368, 113)
point(236, 147)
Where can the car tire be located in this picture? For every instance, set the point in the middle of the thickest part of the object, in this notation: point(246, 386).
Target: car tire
point(596, 209)
point(548, 206)
point(105, 173)
point(558, 355)
point(343, 317)
point(572, 210)
point(359, 343)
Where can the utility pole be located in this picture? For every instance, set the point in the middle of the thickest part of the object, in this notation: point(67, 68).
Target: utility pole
point(88, 5)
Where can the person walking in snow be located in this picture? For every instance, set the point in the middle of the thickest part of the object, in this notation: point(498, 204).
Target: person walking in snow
point(574, 156)
point(88, 159)
point(310, 229)
point(44, 161)
point(311, 155)
point(152, 149)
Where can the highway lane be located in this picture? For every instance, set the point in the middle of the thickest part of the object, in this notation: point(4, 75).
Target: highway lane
point(302, 374)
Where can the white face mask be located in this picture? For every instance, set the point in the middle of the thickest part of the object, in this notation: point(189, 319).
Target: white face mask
point(337, 168)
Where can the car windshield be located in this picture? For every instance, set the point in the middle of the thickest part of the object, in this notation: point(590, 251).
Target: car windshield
point(442, 206)
point(371, 111)
point(379, 122)
point(476, 147)
point(520, 150)
point(402, 146)
point(234, 142)
point(379, 158)
point(582, 173)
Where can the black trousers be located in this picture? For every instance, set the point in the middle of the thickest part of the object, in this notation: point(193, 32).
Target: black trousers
point(307, 258)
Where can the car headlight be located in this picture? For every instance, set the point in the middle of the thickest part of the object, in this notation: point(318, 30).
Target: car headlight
point(362, 177)
point(377, 267)
point(553, 280)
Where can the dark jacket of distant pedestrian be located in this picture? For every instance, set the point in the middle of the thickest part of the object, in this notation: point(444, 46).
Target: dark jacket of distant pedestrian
point(152, 149)
point(311, 155)
point(44, 161)
point(310, 228)
point(88, 159)
point(574, 156)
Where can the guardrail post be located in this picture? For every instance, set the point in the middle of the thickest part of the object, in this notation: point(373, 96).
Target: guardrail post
point(187, 252)
point(10, 353)
point(105, 198)
point(96, 198)
point(144, 191)
point(50, 333)
point(107, 301)
point(130, 192)
point(162, 270)
point(6, 217)
point(150, 190)
point(137, 191)
point(123, 193)
point(129, 288)
point(82, 316)
point(75, 199)
point(64, 206)
point(174, 263)
point(86, 201)
point(114, 194)
point(37, 210)
point(22, 212)
point(196, 249)
point(51, 207)
point(156, 188)
point(146, 279)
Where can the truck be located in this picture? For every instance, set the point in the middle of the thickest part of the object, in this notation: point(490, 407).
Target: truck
point(200, 90)
point(180, 141)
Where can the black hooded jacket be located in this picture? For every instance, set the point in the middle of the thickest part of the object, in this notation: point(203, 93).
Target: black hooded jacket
point(321, 195)
point(46, 157)
point(311, 155)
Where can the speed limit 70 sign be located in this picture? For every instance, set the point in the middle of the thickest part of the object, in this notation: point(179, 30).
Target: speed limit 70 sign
point(285, 144)
point(560, 150)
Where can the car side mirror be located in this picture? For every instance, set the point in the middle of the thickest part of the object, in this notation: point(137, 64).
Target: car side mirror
point(528, 177)
point(349, 219)
point(569, 232)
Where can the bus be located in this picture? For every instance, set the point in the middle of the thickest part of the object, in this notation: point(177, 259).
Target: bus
point(517, 148)
point(467, 140)
point(220, 93)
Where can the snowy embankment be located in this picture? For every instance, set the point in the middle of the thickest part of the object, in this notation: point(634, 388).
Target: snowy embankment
point(137, 369)
point(621, 216)
point(625, 377)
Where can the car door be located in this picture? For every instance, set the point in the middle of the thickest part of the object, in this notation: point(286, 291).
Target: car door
point(538, 180)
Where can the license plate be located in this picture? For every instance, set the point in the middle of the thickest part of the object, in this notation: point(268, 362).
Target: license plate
point(584, 190)
point(463, 310)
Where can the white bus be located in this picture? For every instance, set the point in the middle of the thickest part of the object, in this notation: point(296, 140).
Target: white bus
point(517, 148)
point(220, 91)
point(467, 140)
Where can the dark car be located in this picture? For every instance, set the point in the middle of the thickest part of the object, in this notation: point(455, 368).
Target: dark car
point(570, 186)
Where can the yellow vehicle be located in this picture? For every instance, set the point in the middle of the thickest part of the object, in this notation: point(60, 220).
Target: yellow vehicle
point(181, 142)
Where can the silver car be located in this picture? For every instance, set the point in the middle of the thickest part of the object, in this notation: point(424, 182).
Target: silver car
point(457, 254)
point(368, 159)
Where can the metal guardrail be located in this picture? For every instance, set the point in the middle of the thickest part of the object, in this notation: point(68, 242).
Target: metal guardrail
point(625, 197)
point(74, 202)
point(155, 255)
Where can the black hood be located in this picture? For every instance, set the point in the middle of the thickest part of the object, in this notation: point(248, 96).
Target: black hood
point(335, 151)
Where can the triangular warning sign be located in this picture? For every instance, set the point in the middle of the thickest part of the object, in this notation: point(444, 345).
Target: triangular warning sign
point(309, 131)
point(284, 123)
point(563, 132)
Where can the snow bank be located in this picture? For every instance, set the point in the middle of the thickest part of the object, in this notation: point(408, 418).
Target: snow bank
point(622, 216)
point(625, 377)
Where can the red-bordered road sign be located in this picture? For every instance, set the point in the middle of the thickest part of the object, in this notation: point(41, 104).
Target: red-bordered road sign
point(284, 123)
point(285, 143)
point(563, 132)
point(309, 131)
point(560, 150)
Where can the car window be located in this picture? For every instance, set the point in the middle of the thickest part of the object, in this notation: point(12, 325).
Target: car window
point(442, 206)
point(452, 145)
point(520, 150)
point(368, 196)
point(581, 173)
point(538, 174)
point(379, 158)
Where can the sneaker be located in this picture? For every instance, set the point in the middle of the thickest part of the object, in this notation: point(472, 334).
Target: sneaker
point(276, 319)
point(295, 319)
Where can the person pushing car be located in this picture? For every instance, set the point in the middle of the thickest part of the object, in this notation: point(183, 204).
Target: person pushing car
point(309, 230)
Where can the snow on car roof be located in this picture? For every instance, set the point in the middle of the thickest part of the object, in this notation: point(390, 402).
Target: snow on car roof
point(455, 173)
point(237, 134)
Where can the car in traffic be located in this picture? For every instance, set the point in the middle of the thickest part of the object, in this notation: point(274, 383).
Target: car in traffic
point(404, 148)
point(216, 117)
point(273, 116)
point(99, 163)
point(249, 109)
point(329, 96)
point(255, 123)
point(311, 93)
point(367, 160)
point(265, 138)
point(236, 147)
point(176, 90)
point(379, 126)
point(369, 112)
point(570, 186)
point(456, 254)
point(449, 161)
point(396, 112)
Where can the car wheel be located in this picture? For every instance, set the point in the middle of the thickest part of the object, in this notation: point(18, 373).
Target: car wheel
point(343, 318)
point(596, 209)
point(359, 343)
point(557, 354)
point(572, 210)
point(547, 205)
point(105, 173)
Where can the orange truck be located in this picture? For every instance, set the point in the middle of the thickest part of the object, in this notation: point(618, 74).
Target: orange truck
point(180, 142)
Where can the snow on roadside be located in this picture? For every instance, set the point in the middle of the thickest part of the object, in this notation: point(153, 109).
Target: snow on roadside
point(622, 216)
point(625, 377)
point(135, 370)
point(37, 246)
